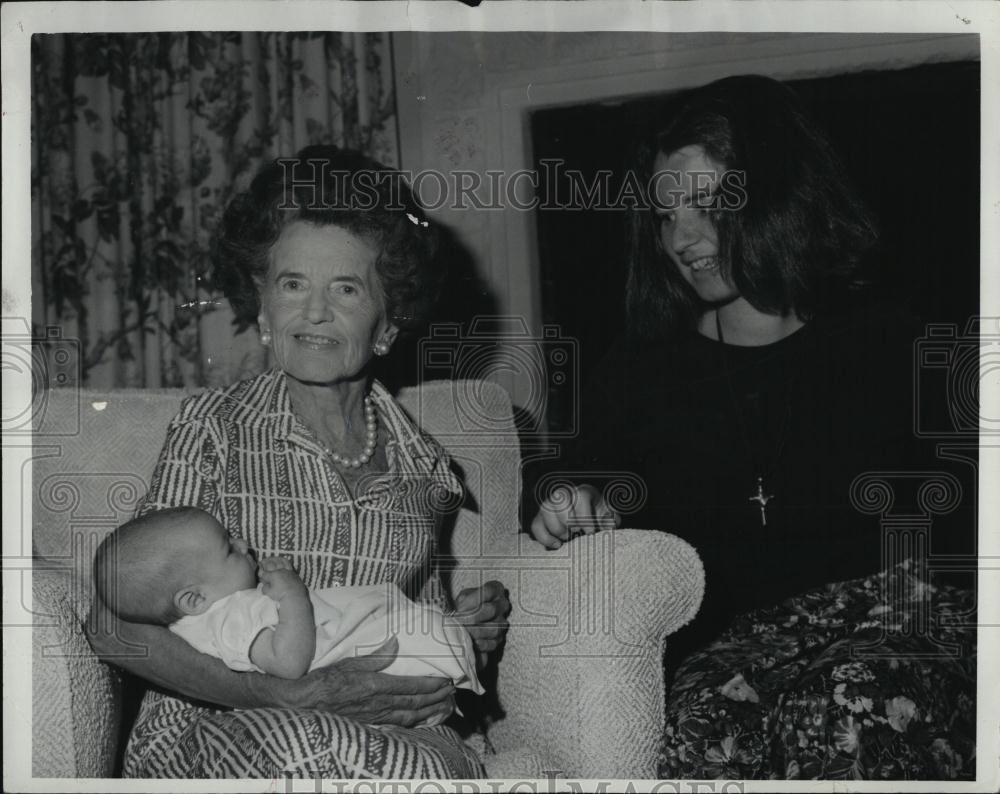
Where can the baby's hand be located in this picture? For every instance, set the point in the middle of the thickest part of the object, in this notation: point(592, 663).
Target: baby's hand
point(280, 579)
point(275, 564)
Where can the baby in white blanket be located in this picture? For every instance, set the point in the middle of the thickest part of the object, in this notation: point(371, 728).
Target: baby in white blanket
point(181, 568)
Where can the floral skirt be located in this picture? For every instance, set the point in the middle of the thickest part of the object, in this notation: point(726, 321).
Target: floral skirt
point(870, 679)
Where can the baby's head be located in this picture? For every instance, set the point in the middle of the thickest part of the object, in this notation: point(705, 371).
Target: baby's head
point(170, 563)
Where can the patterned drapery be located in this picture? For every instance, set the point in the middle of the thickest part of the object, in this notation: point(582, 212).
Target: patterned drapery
point(138, 142)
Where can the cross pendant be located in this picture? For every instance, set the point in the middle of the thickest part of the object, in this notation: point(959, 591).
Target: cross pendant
point(762, 499)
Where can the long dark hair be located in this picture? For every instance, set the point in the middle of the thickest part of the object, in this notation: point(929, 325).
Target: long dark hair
point(800, 232)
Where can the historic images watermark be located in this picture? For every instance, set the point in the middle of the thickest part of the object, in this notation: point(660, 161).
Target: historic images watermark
point(495, 348)
point(551, 187)
point(949, 366)
point(551, 782)
point(48, 359)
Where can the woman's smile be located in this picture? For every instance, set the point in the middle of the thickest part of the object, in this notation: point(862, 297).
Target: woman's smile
point(703, 264)
point(322, 305)
point(315, 341)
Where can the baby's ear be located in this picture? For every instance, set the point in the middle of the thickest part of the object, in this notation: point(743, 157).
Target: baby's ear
point(190, 600)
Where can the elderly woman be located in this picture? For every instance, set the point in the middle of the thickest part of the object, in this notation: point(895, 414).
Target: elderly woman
point(749, 394)
point(315, 462)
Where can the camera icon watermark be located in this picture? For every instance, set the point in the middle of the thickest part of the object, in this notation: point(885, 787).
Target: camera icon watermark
point(502, 350)
point(906, 503)
point(623, 492)
point(949, 367)
point(46, 360)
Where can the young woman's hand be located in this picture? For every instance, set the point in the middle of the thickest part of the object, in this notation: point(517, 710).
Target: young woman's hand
point(571, 511)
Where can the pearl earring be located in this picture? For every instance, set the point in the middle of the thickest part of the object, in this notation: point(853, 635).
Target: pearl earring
point(265, 337)
point(380, 349)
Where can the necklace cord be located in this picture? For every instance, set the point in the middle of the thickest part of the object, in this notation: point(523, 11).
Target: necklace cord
point(748, 448)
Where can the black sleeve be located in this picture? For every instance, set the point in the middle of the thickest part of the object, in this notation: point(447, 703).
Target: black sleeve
point(596, 445)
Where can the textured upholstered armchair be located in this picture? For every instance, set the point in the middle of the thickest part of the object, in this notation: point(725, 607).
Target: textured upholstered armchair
point(580, 687)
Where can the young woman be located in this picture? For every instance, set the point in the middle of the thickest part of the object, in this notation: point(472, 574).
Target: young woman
point(751, 393)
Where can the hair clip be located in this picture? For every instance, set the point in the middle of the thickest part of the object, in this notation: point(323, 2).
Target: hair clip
point(416, 221)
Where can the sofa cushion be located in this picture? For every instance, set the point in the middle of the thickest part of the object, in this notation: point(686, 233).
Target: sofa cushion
point(93, 455)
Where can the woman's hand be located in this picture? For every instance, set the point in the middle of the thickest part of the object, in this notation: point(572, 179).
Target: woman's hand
point(356, 688)
point(483, 612)
point(572, 510)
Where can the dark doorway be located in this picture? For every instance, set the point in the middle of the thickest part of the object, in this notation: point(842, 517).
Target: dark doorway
point(909, 140)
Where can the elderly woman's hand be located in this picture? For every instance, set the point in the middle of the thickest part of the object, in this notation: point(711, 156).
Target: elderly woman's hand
point(356, 688)
point(483, 612)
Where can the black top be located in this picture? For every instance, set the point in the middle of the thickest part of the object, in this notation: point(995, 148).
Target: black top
point(701, 420)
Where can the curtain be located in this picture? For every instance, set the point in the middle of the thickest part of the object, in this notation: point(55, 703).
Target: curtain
point(138, 142)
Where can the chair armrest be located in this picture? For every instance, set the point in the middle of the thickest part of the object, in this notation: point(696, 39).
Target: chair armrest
point(581, 679)
point(76, 700)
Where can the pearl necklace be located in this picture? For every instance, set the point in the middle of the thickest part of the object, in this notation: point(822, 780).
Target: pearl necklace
point(371, 440)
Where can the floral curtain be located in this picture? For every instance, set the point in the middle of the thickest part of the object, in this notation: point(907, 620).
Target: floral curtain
point(138, 142)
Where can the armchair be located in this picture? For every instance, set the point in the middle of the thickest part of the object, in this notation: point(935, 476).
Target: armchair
point(580, 687)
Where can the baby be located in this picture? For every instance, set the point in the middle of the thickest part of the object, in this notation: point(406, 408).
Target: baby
point(180, 568)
